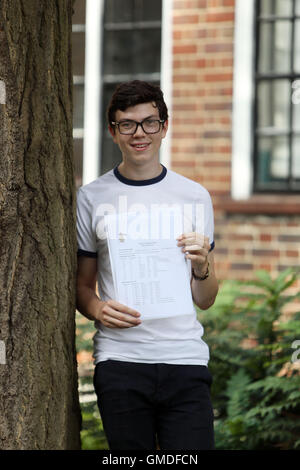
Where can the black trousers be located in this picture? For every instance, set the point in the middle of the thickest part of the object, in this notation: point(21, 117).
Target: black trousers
point(142, 405)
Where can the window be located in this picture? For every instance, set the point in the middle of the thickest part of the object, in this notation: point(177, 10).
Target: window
point(78, 60)
point(131, 50)
point(276, 147)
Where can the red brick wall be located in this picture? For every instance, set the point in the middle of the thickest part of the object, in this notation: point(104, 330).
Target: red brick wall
point(203, 35)
point(202, 91)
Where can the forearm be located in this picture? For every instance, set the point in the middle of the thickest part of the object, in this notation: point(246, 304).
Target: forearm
point(205, 292)
point(88, 303)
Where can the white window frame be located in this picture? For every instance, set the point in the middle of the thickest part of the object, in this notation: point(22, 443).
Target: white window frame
point(243, 96)
point(93, 85)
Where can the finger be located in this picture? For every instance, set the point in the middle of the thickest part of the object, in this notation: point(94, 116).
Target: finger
point(197, 238)
point(190, 242)
point(114, 323)
point(112, 315)
point(196, 258)
point(199, 252)
point(192, 248)
point(192, 235)
point(123, 308)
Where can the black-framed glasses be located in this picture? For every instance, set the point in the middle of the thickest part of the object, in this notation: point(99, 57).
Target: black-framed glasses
point(129, 127)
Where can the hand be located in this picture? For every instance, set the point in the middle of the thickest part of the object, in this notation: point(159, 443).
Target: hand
point(116, 315)
point(196, 247)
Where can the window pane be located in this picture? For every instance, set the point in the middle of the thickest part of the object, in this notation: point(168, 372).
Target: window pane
point(276, 7)
point(118, 11)
point(297, 7)
point(79, 12)
point(296, 105)
point(78, 102)
point(148, 10)
point(273, 104)
point(296, 158)
point(266, 7)
point(110, 154)
point(282, 52)
point(78, 53)
point(78, 158)
point(272, 153)
point(265, 51)
point(132, 51)
point(297, 46)
point(283, 7)
point(274, 46)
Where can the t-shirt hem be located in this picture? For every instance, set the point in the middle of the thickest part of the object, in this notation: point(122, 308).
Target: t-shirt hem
point(113, 357)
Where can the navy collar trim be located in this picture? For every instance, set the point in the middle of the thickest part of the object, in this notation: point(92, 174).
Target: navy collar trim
point(124, 180)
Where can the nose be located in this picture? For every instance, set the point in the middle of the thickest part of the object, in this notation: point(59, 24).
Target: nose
point(139, 130)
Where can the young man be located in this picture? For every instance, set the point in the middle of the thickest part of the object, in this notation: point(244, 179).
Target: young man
point(151, 376)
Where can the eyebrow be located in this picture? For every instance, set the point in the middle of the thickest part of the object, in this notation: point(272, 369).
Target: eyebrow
point(148, 117)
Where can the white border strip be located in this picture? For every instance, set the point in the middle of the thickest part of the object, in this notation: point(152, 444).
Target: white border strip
point(166, 69)
point(92, 90)
point(243, 93)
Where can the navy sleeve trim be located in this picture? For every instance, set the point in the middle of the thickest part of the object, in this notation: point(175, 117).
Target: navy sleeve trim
point(212, 245)
point(88, 254)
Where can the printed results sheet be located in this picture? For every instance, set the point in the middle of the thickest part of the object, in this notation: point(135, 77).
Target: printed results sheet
point(150, 275)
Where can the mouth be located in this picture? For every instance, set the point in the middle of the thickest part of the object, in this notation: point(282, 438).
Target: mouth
point(140, 146)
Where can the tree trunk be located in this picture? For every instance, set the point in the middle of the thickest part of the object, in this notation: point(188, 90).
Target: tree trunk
point(39, 407)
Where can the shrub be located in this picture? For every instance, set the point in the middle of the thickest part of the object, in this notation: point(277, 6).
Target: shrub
point(256, 388)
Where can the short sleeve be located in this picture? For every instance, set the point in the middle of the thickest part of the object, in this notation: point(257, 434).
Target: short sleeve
point(86, 239)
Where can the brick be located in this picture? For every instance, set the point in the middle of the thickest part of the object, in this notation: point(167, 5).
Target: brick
point(292, 253)
point(218, 106)
point(218, 77)
point(225, 47)
point(240, 236)
point(242, 266)
point(217, 164)
point(185, 49)
point(265, 237)
point(264, 252)
point(182, 163)
point(186, 19)
point(216, 134)
point(220, 17)
point(289, 238)
point(184, 4)
point(185, 78)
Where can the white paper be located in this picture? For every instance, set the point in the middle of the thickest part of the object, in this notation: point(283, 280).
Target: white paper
point(150, 274)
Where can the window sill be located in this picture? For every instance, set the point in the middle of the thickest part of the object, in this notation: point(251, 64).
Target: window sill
point(269, 204)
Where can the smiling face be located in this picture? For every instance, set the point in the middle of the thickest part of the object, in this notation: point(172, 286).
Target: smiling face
point(140, 148)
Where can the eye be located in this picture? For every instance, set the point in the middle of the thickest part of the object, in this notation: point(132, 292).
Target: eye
point(126, 124)
point(150, 122)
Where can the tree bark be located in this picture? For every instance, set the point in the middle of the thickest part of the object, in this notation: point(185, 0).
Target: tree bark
point(39, 406)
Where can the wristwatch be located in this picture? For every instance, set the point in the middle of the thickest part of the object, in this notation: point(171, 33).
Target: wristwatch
point(201, 278)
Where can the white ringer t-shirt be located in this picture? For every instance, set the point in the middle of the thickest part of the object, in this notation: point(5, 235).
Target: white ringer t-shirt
point(173, 340)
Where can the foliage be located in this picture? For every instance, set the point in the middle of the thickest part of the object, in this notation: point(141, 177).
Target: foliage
point(256, 389)
point(92, 434)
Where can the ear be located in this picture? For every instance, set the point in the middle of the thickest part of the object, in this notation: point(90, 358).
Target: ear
point(165, 128)
point(112, 131)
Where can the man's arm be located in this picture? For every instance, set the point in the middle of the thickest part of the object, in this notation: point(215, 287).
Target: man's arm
point(196, 248)
point(205, 292)
point(110, 313)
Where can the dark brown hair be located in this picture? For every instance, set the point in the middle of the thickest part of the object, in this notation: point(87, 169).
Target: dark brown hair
point(133, 93)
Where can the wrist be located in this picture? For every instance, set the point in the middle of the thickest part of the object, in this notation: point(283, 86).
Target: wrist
point(203, 274)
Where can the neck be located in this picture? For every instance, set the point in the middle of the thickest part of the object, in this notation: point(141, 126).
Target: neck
point(140, 173)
